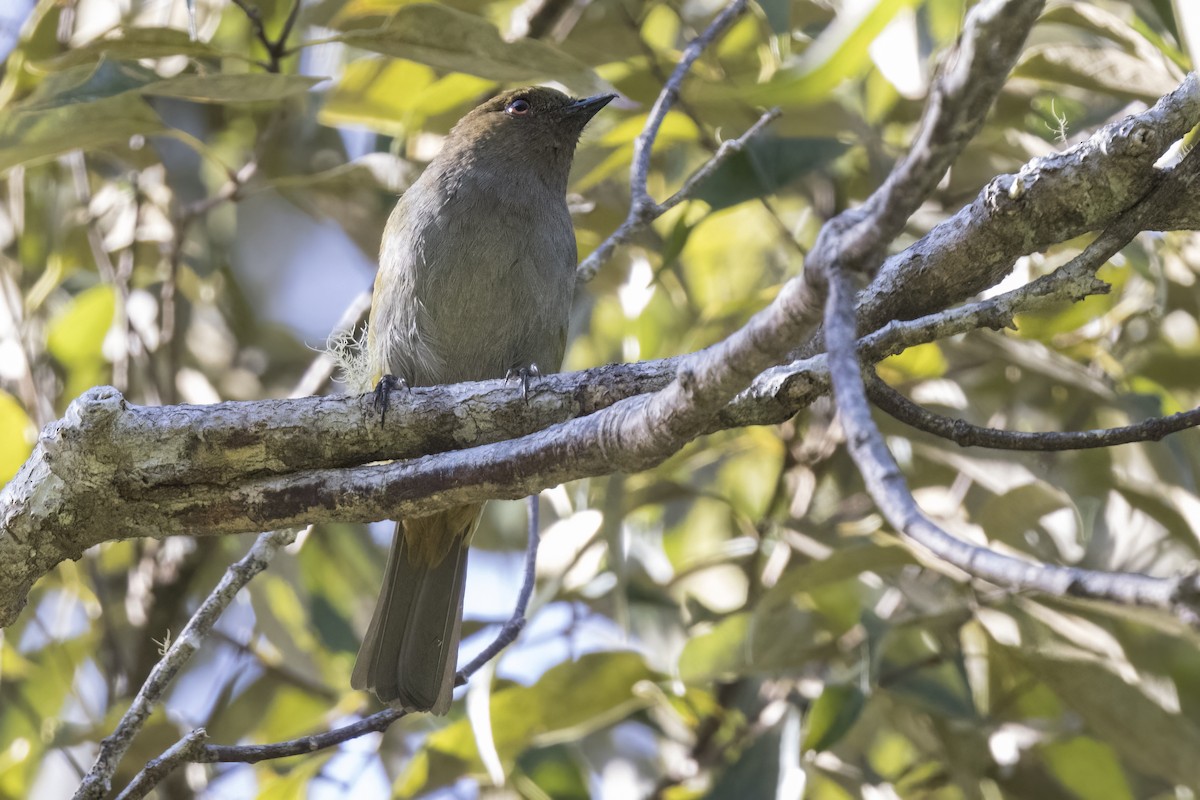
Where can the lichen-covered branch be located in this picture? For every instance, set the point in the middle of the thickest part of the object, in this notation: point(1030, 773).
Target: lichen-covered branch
point(886, 482)
point(113, 470)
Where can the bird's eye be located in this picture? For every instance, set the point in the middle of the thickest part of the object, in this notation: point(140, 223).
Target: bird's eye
point(518, 108)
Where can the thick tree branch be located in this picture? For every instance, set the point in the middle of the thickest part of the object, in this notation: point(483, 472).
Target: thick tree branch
point(64, 501)
point(157, 769)
point(105, 471)
point(969, 79)
point(887, 485)
point(1050, 200)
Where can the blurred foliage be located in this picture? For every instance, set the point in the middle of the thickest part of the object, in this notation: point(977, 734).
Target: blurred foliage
point(184, 218)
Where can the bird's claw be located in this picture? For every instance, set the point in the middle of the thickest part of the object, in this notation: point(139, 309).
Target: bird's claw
point(524, 374)
point(383, 392)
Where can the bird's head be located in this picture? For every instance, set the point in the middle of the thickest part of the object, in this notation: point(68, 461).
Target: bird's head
point(530, 131)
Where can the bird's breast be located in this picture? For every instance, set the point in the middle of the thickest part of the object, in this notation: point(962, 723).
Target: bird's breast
point(488, 272)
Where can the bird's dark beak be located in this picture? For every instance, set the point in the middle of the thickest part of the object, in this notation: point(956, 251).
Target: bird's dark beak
point(588, 106)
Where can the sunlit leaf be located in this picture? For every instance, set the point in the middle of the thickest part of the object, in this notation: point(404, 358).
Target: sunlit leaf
point(764, 166)
point(77, 332)
point(79, 108)
point(132, 43)
point(1089, 768)
point(446, 38)
point(840, 52)
point(394, 95)
point(17, 434)
point(922, 361)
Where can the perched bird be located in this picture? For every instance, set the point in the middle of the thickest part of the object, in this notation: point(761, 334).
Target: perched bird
point(476, 275)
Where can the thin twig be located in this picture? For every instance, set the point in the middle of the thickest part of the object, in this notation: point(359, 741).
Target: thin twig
point(381, 720)
point(253, 753)
point(726, 150)
point(513, 627)
point(642, 208)
point(157, 769)
point(882, 475)
point(276, 48)
point(706, 138)
point(965, 434)
point(98, 782)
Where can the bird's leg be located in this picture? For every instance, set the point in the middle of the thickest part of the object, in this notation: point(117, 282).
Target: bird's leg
point(383, 394)
point(525, 374)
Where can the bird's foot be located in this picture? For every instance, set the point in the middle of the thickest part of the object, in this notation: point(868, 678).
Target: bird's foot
point(383, 394)
point(524, 374)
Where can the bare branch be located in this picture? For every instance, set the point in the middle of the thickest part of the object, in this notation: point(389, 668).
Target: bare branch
point(513, 626)
point(98, 782)
point(43, 518)
point(887, 486)
point(378, 722)
point(968, 80)
point(725, 151)
point(381, 720)
point(970, 77)
point(156, 770)
point(642, 208)
point(886, 483)
point(965, 434)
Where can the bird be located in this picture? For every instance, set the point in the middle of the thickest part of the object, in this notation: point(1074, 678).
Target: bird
point(476, 278)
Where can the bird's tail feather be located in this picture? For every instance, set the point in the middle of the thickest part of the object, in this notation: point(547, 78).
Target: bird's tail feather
point(408, 655)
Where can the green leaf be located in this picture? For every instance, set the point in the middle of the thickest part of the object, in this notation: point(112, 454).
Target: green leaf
point(840, 52)
point(77, 333)
point(1106, 70)
point(131, 43)
point(1013, 517)
point(248, 87)
point(778, 14)
point(294, 782)
point(395, 96)
point(754, 772)
point(721, 651)
point(567, 702)
point(775, 639)
point(80, 108)
point(1090, 769)
point(1153, 739)
point(832, 715)
point(920, 361)
point(555, 772)
point(17, 434)
point(764, 167)
point(844, 564)
point(85, 84)
point(449, 39)
point(1135, 38)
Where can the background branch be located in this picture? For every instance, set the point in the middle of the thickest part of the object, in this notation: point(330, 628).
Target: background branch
point(98, 782)
point(887, 484)
point(642, 208)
